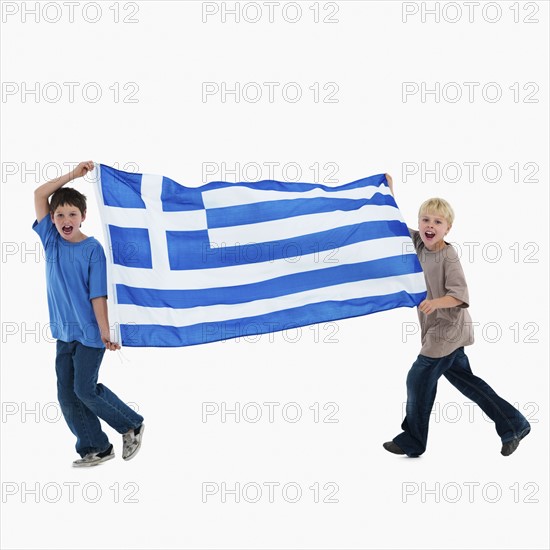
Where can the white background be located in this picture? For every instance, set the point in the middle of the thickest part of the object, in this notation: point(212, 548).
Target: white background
point(169, 52)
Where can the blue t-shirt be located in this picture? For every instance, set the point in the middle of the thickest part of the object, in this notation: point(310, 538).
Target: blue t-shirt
point(75, 273)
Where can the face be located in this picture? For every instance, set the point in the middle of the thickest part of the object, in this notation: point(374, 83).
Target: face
point(67, 220)
point(433, 229)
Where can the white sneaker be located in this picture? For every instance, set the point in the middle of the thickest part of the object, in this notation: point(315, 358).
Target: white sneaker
point(131, 442)
point(93, 459)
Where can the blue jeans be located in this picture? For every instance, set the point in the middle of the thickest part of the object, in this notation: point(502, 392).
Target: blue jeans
point(421, 389)
point(83, 400)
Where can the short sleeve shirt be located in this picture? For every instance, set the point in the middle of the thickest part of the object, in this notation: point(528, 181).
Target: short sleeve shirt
point(446, 329)
point(75, 273)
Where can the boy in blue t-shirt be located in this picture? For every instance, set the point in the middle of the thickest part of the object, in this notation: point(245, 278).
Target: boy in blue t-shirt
point(77, 301)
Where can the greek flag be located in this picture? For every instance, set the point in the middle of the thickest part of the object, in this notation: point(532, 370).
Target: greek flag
point(191, 265)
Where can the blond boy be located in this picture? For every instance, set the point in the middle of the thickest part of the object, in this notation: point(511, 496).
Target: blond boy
point(446, 327)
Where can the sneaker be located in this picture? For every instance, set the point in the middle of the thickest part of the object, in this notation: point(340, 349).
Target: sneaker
point(131, 442)
point(93, 459)
point(510, 446)
point(393, 448)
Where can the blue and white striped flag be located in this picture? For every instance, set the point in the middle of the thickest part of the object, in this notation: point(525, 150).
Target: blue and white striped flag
point(195, 265)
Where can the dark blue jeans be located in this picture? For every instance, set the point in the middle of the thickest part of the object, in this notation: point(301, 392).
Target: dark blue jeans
point(83, 400)
point(421, 389)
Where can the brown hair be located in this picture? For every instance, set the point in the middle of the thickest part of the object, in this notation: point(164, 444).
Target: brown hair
point(68, 195)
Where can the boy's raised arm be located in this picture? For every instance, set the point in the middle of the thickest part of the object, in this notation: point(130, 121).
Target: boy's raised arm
point(46, 190)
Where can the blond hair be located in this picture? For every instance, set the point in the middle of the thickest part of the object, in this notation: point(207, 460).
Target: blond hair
point(437, 207)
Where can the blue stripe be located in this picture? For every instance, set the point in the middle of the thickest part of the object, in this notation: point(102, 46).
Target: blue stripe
point(287, 208)
point(177, 198)
point(271, 288)
point(272, 185)
point(193, 249)
point(202, 333)
point(118, 179)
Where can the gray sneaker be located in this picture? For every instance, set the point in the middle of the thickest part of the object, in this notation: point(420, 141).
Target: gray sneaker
point(93, 459)
point(131, 442)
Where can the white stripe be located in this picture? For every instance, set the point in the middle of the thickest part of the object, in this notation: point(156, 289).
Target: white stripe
point(253, 273)
point(129, 314)
point(297, 226)
point(235, 196)
point(192, 220)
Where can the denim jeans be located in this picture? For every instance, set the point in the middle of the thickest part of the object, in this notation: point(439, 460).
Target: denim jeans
point(421, 389)
point(83, 400)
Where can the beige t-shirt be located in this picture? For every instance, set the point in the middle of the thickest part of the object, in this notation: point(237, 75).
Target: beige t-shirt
point(444, 330)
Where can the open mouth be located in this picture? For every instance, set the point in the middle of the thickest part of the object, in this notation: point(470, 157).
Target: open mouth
point(67, 229)
point(429, 235)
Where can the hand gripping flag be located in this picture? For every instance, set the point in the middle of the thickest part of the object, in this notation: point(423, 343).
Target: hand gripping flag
point(191, 265)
